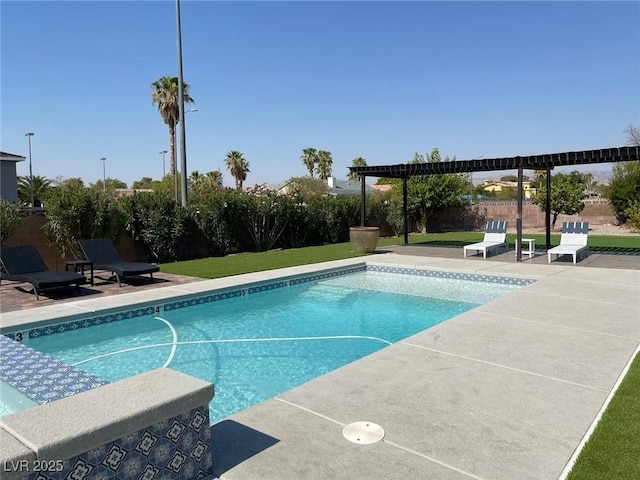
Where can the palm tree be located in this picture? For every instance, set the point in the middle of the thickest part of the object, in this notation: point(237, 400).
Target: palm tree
point(214, 179)
point(309, 157)
point(324, 164)
point(540, 176)
point(357, 162)
point(205, 184)
point(164, 93)
point(238, 167)
point(41, 186)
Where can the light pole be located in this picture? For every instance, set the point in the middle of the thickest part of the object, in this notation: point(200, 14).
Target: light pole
point(184, 166)
point(183, 135)
point(29, 135)
point(164, 171)
point(104, 174)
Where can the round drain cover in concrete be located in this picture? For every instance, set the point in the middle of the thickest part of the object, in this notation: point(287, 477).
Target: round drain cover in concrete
point(363, 433)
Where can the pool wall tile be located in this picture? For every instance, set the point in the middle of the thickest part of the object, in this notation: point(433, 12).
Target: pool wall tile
point(450, 275)
point(177, 448)
point(39, 376)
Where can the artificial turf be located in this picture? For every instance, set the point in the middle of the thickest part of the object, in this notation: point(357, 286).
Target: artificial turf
point(613, 451)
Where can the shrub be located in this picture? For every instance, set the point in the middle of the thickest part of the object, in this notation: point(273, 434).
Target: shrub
point(9, 220)
point(75, 212)
point(157, 221)
point(334, 216)
point(632, 214)
point(219, 217)
point(267, 216)
point(624, 189)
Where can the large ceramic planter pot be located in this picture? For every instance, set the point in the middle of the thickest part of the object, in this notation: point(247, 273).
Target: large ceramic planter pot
point(364, 239)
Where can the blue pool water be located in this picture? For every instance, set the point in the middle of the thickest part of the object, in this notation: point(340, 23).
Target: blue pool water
point(257, 346)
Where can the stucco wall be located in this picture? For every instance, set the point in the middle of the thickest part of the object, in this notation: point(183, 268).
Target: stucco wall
point(8, 182)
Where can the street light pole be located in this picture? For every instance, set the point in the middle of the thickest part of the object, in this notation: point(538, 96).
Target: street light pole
point(183, 138)
point(164, 171)
point(185, 165)
point(104, 174)
point(29, 135)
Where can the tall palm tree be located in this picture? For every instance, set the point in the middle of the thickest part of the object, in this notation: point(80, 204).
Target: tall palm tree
point(309, 157)
point(325, 161)
point(164, 93)
point(356, 162)
point(238, 167)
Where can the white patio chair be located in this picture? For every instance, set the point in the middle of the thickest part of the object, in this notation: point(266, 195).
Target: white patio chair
point(495, 237)
point(572, 242)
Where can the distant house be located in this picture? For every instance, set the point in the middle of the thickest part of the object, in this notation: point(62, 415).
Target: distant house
point(8, 176)
point(501, 185)
point(127, 192)
point(335, 187)
point(346, 187)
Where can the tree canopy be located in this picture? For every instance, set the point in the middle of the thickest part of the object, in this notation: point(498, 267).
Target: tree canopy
point(427, 194)
point(567, 195)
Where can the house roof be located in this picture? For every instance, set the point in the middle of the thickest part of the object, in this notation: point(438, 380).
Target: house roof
point(10, 157)
point(347, 187)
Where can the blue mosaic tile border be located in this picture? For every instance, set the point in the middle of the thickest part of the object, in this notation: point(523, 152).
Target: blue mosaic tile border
point(39, 376)
point(451, 275)
point(90, 322)
point(177, 448)
point(262, 287)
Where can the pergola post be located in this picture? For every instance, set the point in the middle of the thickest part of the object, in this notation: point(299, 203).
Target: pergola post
point(519, 217)
point(405, 217)
point(547, 209)
point(363, 200)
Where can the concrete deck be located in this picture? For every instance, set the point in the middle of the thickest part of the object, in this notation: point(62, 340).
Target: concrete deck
point(505, 391)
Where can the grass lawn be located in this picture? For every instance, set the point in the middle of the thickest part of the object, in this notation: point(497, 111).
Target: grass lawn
point(216, 267)
point(613, 451)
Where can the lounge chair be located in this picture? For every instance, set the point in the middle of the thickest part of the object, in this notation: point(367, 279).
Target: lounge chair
point(23, 263)
point(104, 256)
point(495, 237)
point(572, 242)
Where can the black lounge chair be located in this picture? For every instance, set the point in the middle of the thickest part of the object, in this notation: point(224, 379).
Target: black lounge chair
point(23, 263)
point(104, 256)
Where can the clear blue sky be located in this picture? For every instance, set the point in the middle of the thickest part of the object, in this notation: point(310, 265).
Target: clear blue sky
point(380, 80)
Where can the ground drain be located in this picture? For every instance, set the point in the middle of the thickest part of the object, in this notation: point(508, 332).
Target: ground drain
point(363, 433)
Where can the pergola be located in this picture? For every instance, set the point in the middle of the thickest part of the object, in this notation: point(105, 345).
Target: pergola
point(530, 162)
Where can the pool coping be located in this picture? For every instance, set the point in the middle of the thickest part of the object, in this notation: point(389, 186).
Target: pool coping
point(289, 418)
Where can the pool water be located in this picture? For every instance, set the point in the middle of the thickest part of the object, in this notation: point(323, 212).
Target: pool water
point(12, 400)
point(257, 346)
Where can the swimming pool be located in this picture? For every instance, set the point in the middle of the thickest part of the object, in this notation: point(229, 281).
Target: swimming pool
point(254, 343)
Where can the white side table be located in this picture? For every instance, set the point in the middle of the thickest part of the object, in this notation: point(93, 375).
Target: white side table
point(531, 243)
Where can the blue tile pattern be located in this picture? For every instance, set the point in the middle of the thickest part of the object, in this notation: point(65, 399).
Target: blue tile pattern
point(90, 322)
point(39, 376)
point(177, 448)
point(451, 275)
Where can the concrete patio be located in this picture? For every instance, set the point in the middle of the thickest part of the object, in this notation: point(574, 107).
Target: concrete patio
point(505, 391)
